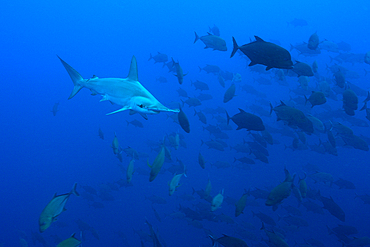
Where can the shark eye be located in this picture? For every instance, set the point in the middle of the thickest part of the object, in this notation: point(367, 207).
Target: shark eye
point(141, 106)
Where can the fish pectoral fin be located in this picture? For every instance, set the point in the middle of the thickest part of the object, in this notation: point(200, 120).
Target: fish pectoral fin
point(119, 110)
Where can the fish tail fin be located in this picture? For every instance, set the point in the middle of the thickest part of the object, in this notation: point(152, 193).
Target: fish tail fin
point(305, 99)
point(364, 107)
point(213, 241)
point(196, 37)
point(228, 117)
point(76, 78)
point(235, 48)
point(151, 57)
point(271, 108)
point(330, 231)
point(74, 190)
point(263, 226)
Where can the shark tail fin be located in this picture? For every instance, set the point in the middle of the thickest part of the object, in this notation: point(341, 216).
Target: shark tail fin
point(75, 76)
point(74, 190)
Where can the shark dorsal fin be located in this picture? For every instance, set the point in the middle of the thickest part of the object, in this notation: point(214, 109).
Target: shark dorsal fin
point(132, 74)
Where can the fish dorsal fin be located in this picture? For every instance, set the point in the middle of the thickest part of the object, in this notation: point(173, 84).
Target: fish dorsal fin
point(241, 110)
point(209, 33)
point(282, 103)
point(258, 39)
point(132, 74)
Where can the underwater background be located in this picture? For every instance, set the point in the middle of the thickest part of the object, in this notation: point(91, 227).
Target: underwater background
point(44, 153)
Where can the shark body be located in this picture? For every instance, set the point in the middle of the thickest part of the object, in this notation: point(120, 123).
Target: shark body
point(126, 92)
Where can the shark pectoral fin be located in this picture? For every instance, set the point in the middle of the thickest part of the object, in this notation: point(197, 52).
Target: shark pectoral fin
point(122, 109)
point(144, 116)
point(132, 112)
point(104, 98)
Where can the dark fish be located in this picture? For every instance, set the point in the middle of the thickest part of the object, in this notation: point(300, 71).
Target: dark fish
point(313, 41)
point(170, 66)
point(55, 109)
point(215, 30)
point(201, 161)
point(293, 117)
point(339, 78)
point(350, 101)
point(259, 139)
point(344, 46)
point(260, 156)
point(230, 93)
point(201, 116)
point(135, 123)
point(268, 137)
point(90, 190)
point(356, 142)
point(161, 79)
point(101, 134)
point(292, 210)
point(214, 145)
point(302, 69)
point(200, 85)
point(228, 241)
point(313, 207)
point(331, 139)
point(333, 208)
point(298, 22)
point(159, 58)
point(345, 230)
point(295, 221)
point(246, 120)
point(265, 53)
point(179, 73)
point(316, 98)
point(245, 160)
point(227, 75)
point(153, 235)
point(183, 121)
point(156, 199)
point(259, 193)
point(258, 147)
point(214, 69)
point(344, 184)
point(203, 97)
point(315, 66)
point(182, 93)
point(212, 41)
point(192, 102)
point(221, 80)
point(265, 218)
point(303, 49)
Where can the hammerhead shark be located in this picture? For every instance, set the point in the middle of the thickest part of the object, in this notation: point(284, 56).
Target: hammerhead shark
point(126, 92)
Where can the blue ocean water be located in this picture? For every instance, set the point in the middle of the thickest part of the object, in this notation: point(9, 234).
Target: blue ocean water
point(43, 154)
